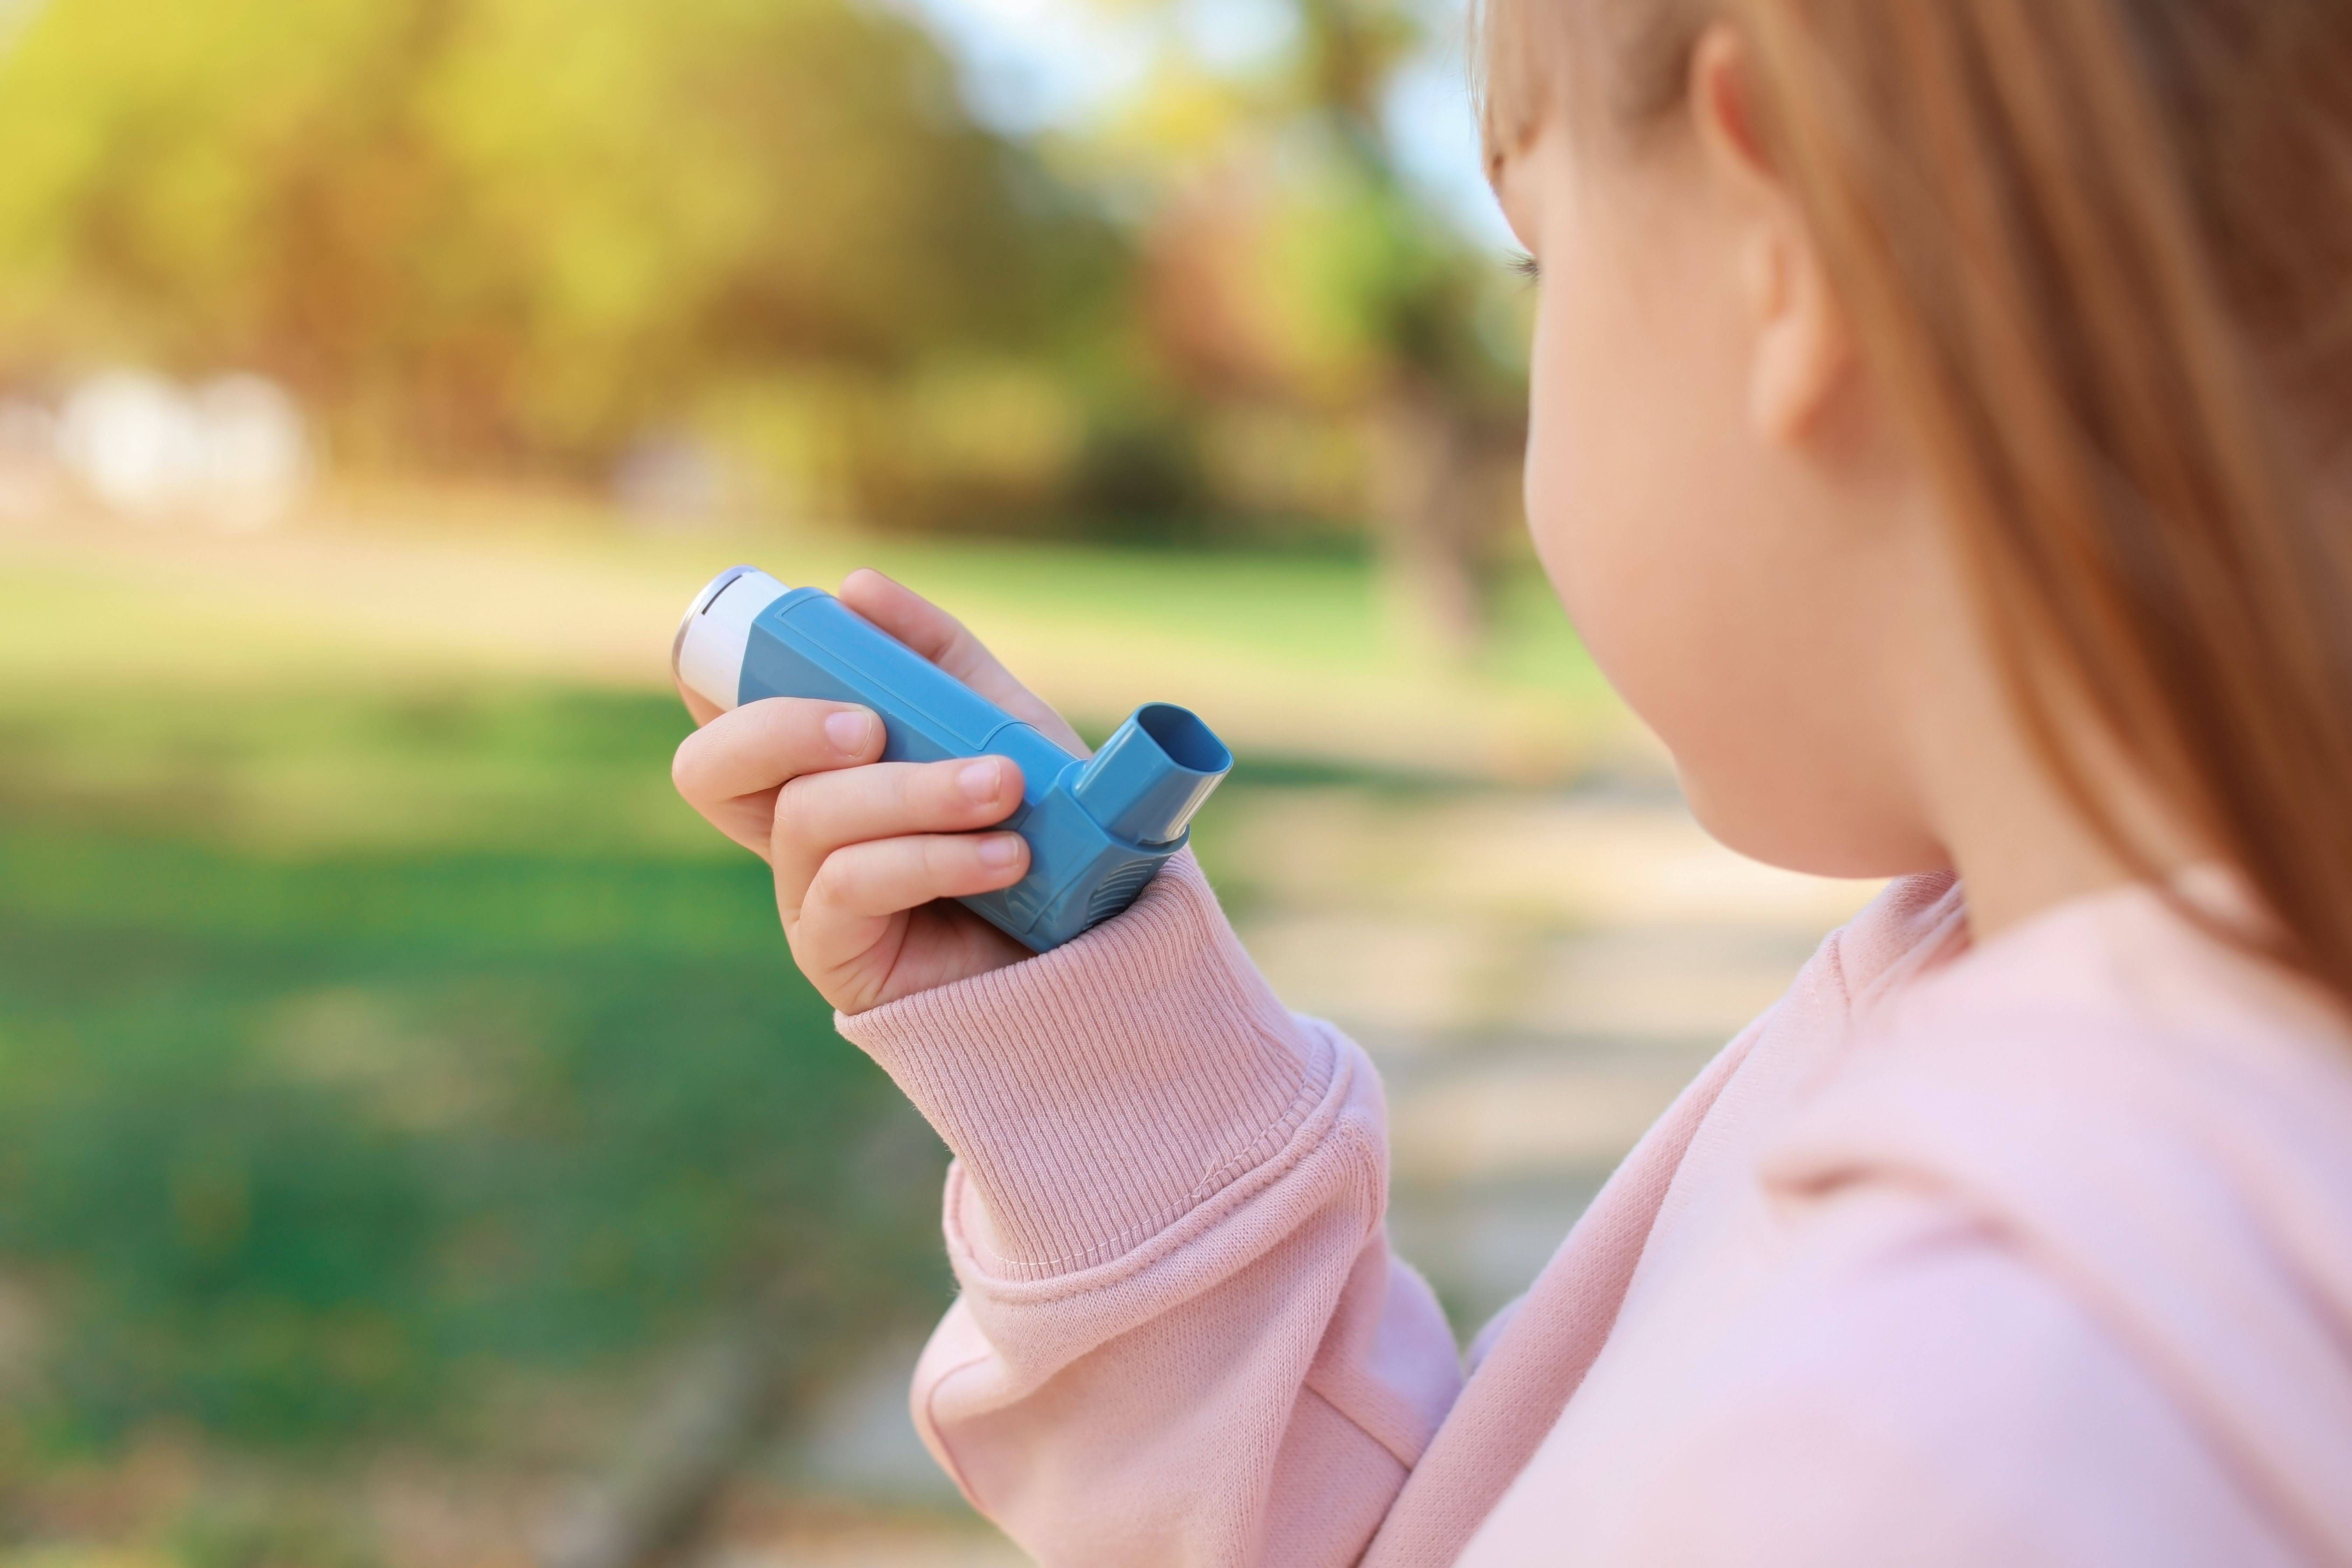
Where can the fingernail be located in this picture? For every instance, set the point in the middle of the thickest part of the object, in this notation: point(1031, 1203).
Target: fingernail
point(999, 849)
point(847, 730)
point(980, 780)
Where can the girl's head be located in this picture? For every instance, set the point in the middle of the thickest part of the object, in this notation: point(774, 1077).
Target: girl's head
point(1942, 422)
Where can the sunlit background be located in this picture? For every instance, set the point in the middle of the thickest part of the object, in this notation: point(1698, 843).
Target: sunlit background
point(416, 1148)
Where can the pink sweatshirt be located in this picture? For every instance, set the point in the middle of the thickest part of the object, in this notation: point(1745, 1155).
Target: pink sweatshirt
point(2038, 1252)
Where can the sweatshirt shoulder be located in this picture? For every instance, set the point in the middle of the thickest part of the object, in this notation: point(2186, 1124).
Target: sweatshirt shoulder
point(1913, 1390)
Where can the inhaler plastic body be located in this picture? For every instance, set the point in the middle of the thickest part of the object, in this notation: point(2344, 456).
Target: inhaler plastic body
point(1097, 829)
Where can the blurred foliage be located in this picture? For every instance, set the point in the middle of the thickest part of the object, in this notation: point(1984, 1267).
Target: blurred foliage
point(477, 229)
point(760, 253)
point(305, 1148)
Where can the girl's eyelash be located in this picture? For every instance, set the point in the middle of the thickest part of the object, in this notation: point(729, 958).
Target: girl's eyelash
point(1526, 266)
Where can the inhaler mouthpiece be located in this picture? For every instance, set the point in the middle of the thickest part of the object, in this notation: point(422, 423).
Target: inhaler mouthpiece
point(1152, 774)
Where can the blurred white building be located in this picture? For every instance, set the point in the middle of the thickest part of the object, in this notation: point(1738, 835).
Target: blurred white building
point(234, 454)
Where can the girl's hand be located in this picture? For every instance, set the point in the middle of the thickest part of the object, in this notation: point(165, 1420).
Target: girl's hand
point(865, 852)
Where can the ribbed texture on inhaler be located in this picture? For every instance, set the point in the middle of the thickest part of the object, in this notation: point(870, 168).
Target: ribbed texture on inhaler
point(1096, 1093)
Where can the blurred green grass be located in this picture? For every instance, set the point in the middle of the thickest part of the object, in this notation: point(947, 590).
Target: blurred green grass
point(383, 1047)
point(488, 1067)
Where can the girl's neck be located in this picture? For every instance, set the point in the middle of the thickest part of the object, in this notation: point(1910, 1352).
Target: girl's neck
point(2018, 839)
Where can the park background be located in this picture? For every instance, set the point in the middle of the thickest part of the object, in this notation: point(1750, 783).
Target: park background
point(416, 1148)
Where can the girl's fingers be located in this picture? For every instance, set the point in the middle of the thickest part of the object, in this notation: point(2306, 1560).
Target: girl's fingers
point(819, 814)
point(860, 887)
point(760, 745)
point(947, 643)
point(864, 851)
point(729, 770)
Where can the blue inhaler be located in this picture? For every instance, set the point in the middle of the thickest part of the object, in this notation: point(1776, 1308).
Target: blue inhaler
point(1097, 829)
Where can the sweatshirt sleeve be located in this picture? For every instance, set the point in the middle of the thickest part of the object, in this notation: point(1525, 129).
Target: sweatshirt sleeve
point(1181, 1337)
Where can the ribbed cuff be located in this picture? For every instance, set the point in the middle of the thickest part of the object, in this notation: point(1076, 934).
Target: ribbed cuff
point(1096, 1093)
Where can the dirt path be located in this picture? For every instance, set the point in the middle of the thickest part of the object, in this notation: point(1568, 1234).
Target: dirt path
point(1537, 976)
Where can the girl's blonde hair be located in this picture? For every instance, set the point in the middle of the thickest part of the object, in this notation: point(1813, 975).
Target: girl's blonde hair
point(2100, 250)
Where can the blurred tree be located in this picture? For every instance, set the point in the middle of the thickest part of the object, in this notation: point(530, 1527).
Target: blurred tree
point(1293, 269)
point(503, 233)
point(1442, 397)
point(483, 230)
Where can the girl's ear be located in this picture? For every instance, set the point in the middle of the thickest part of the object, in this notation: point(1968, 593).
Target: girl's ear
point(1804, 350)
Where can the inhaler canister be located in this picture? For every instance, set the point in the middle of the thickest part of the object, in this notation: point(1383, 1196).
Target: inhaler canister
point(1098, 830)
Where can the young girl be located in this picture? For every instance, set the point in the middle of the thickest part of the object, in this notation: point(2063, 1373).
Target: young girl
point(1942, 435)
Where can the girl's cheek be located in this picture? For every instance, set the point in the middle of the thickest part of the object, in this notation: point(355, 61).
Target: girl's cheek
point(1626, 441)
point(1553, 507)
point(1583, 502)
